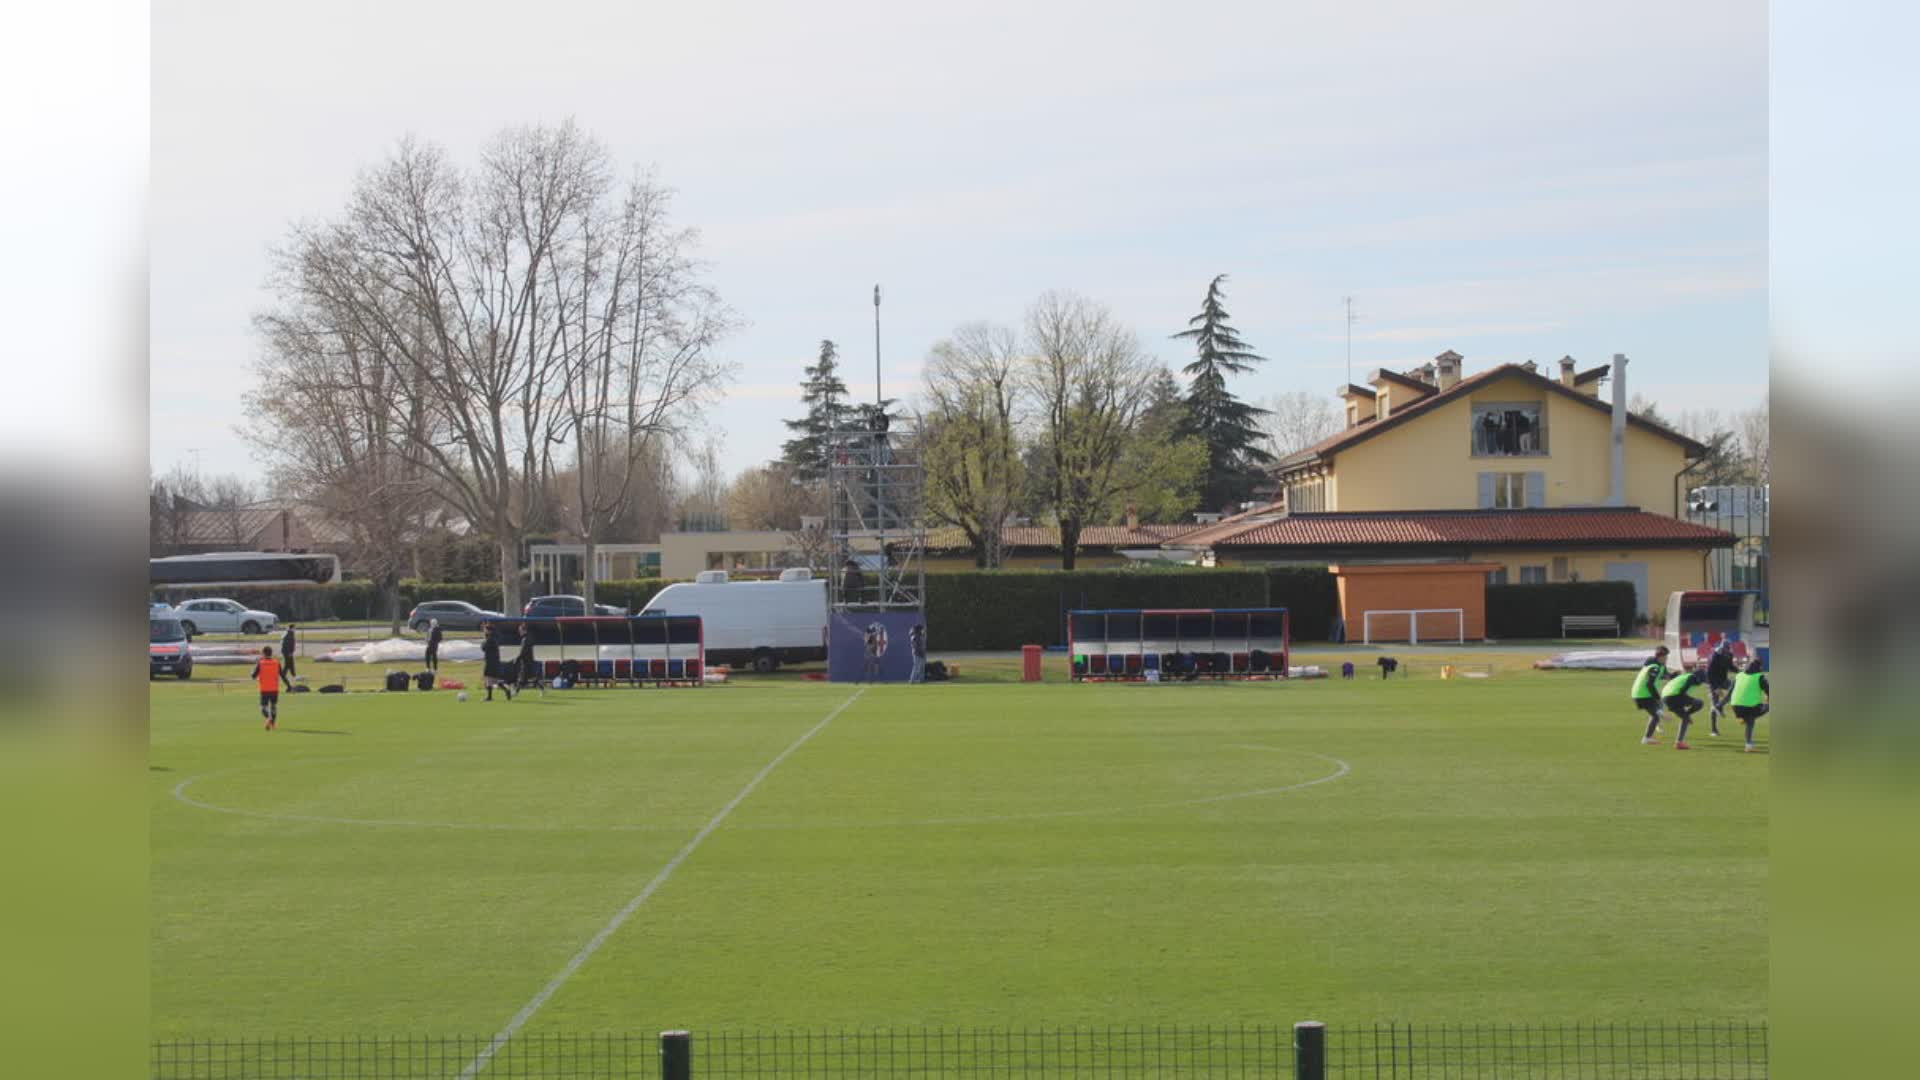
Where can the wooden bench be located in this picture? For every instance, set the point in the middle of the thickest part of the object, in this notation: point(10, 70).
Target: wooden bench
point(1570, 623)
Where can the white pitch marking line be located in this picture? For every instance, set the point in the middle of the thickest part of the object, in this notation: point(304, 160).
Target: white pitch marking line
point(526, 1013)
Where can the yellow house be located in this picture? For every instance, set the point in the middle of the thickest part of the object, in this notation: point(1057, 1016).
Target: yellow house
point(1538, 475)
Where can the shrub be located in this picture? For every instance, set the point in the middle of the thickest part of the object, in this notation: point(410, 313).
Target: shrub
point(1533, 611)
point(1005, 609)
point(1311, 596)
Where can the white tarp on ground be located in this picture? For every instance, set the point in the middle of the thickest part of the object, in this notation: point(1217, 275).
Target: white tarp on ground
point(1597, 660)
point(397, 650)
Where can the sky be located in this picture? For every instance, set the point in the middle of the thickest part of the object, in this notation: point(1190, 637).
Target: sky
point(1509, 181)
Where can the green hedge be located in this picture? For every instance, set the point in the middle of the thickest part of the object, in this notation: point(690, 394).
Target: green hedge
point(1311, 596)
point(1005, 609)
point(1533, 611)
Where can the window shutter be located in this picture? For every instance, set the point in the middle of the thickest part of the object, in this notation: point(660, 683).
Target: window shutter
point(1536, 490)
point(1486, 490)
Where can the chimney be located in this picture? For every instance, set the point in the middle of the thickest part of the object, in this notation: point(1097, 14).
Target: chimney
point(1133, 517)
point(1566, 371)
point(1617, 496)
point(1424, 373)
point(1447, 364)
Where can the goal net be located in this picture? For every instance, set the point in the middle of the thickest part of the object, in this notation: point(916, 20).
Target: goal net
point(1414, 625)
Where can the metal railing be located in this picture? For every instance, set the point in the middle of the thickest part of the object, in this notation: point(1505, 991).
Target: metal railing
point(1305, 1051)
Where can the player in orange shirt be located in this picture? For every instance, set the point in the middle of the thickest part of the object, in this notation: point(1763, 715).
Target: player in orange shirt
point(266, 671)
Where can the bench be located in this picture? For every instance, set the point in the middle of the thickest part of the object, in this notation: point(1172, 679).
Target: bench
point(1570, 623)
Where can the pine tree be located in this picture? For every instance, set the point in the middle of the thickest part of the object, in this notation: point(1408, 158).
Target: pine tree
point(826, 399)
point(1229, 427)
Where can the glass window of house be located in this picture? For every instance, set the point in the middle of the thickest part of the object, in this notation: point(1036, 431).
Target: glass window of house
point(1506, 429)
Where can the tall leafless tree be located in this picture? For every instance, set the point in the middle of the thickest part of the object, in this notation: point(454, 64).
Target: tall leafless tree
point(1296, 420)
point(1087, 379)
point(479, 296)
point(969, 435)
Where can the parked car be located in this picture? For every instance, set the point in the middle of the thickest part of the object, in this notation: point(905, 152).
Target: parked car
point(223, 617)
point(453, 615)
point(158, 610)
point(554, 607)
point(168, 651)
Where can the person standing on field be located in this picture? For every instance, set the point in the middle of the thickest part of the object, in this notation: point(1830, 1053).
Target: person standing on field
point(1751, 697)
point(490, 671)
point(1646, 691)
point(1719, 680)
point(266, 673)
point(287, 650)
point(524, 670)
point(917, 640)
point(433, 646)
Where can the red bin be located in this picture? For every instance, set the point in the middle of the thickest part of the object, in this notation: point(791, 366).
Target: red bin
point(1030, 663)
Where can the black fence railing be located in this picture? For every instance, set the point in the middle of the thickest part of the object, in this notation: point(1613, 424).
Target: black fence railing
point(1680, 1051)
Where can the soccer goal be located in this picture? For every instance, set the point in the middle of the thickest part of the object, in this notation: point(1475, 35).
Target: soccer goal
point(1414, 625)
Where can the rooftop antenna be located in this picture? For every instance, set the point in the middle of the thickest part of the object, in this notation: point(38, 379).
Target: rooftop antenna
point(1351, 319)
point(876, 347)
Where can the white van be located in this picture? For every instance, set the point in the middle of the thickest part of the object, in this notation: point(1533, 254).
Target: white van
point(761, 623)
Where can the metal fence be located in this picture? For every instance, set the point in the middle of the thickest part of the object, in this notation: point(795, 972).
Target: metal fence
point(1680, 1051)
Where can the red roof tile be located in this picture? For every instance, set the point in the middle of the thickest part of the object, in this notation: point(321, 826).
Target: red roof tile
point(1483, 528)
point(1048, 536)
point(1334, 443)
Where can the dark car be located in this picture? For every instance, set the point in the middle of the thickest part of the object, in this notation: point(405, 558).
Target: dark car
point(168, 652)
point(453, 615)
point(555, 607)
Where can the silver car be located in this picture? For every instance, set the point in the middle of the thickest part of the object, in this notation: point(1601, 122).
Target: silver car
point(453, 615)
point(223, 617)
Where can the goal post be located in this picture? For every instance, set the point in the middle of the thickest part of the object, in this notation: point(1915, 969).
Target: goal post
point(1414, 625)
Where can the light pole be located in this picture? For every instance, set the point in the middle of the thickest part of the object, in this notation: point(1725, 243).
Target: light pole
point(876, 347)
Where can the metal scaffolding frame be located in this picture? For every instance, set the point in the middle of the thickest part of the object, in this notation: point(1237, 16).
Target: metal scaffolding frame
point(876, 516)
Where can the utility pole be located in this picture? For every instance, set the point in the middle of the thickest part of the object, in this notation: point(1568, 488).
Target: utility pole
point(1350, 319)
point(876, 347)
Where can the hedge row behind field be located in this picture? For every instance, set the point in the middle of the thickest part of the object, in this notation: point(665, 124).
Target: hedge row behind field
point(1005, 609)
point(1533, 611)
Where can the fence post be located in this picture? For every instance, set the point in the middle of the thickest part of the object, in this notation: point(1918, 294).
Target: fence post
point(1310, 1050)
point(676, 1055)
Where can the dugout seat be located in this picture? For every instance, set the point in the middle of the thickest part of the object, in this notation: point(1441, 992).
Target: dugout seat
point(1258, 660)
point(1242, 662)
point(604, 669)
point(693, 670)
point(623, 669)
point(552, 668)
point(1222, 663)
point(676, 668)
point(1097, 664)
point(1116, 664)
point(656, 668)
point(1133, 663)
point(1151, 662)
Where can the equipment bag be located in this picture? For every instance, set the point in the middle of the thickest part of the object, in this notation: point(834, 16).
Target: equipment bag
point(423, 680)
point(333, 688)
point(397, 680)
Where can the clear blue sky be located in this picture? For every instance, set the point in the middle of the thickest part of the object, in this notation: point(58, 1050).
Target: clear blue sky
point(1511, 181)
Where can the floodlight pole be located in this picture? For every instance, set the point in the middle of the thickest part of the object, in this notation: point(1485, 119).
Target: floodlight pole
point(877, 399)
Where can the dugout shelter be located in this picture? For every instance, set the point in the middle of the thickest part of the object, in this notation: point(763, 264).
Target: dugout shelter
point(611, 650)
point(1155, 644)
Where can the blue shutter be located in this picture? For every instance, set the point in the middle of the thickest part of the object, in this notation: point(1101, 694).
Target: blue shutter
point(1486, 490)
point(1536, 490)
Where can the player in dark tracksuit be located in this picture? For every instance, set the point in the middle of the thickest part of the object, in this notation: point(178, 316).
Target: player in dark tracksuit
point(525, 670)
point(490, 669)
point(287, 650)
point(1719, 680)
point(433, 645)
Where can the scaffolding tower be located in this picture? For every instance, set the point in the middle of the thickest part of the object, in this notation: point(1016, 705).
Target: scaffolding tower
point(876, 519)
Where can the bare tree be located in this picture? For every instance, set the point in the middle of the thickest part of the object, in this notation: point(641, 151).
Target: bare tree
point(772, 496)
point(1087, 380)
point(1756, 441)
point(969, 435)
point(1296, 420)
point(704, 509)
point(638, 338)
point(481, 293)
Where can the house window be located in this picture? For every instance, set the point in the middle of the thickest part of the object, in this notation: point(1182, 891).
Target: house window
point(1559, 568)
point(1497, 577)
point(1512, 490)
point(1307, 497)
point(1509, 429)
point(1533, 575)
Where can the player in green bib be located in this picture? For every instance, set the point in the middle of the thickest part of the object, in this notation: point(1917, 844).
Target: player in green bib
point(1646, 691)
point(1674, 696)
point(1751, 697)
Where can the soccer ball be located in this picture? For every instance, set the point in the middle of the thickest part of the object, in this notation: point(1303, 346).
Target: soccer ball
point(461, 696)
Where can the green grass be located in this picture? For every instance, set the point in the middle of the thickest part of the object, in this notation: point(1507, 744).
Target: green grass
point(974, 854)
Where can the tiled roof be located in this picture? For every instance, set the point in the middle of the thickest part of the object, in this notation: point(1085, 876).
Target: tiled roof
point(1048, 536)
point(1334, 443)
point(1604, 526)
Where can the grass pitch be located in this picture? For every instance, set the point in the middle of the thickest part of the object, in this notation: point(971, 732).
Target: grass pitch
point(1414, 849)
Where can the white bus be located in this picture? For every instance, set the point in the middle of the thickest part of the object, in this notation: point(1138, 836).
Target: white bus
point(242, 568)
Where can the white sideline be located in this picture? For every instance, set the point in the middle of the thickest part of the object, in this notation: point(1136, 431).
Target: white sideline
point(526, 1013)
